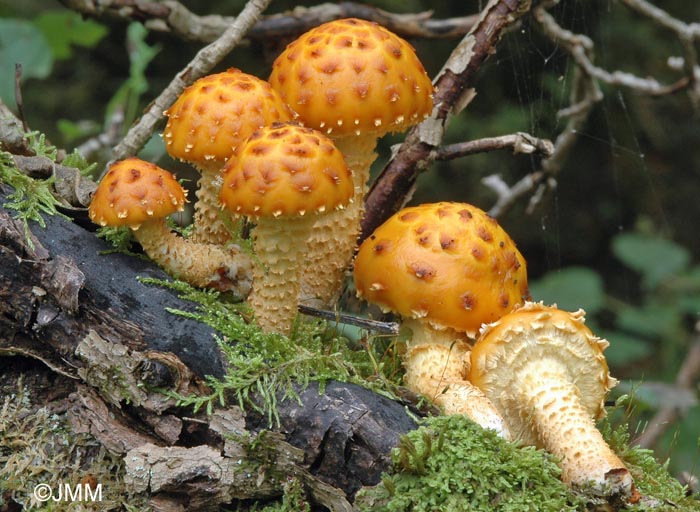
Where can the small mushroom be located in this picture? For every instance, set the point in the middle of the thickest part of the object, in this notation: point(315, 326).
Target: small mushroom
point(355, 81)
point(140, 195)
point(283, 176)
point(206, 123)
point(446, 268)
point(546, 372)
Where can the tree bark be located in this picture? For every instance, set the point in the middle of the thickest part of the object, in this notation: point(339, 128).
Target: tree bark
point(109, 340)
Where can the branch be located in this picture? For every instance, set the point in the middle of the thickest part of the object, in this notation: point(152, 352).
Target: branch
point(520, 143)
point(174, 18)
point(453, 92)
point(687, 378)
point(202, 63)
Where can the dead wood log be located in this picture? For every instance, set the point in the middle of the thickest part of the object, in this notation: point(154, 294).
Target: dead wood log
point(86, 317)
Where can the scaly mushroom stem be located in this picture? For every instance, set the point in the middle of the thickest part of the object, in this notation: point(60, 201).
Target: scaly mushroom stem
point(333, 239)
point(202, 265)
point(209, 219)
point(437, 365)
point(546, 373)
point(546, 399)
point(279, 247)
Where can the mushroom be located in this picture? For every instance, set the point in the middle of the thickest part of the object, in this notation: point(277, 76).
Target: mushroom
point(206, 123)
point(546, 372)
point(446, 268)
point(140, 195)
point(355, 81)
point(283, 176)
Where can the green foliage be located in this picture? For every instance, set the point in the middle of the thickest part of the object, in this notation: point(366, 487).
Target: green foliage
point(293, 500)
point(654, 258)
point(21, 43)
point(262, 367)
point(571, 288)
point(450, 463)
point(129, 93)
point(65, 29)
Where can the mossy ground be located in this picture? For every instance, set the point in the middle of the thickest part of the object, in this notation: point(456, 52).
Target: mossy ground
point(450, 463)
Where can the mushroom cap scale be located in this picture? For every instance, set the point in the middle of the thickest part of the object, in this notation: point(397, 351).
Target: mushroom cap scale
point(217, 112)
point(352, 76)
point(448, 263)
point(134, 191)
point(286, 170)
point(550, 338)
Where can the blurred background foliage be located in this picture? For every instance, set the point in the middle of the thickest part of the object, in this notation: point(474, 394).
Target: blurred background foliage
point(618, 236)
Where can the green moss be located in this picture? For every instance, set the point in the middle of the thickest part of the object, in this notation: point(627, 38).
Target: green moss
point(261, 367)
point(39, 447)
point(452, 464)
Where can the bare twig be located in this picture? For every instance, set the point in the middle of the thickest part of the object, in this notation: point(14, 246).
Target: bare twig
point(454, 91)
point(520, 143)
point(18, 96)
point(202, 63)
point(173, 17)
point(344, 318)
point(687, 378)
point(91, 148)
point(688, 34)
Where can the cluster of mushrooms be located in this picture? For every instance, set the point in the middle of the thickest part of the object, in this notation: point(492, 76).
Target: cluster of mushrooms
point(292, 155)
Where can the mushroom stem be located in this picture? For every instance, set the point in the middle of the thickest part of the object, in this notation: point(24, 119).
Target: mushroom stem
point(333, 239)
point(436, 364)
point(202, 265)
point(210, 225)
point(546, 398)
point(279, 248)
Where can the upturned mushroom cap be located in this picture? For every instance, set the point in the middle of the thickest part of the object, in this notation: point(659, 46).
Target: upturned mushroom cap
point(536, 332)
point(286, 170)
point(217, 112)
point(448, 263)
point(352, 76)
point(134, 191)
point(544, 370)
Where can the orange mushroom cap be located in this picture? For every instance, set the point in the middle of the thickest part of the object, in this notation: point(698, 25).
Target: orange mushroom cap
point(217, 112)
point(286, 170)
point(134, 191)
point(447, 263)
point(352, 76)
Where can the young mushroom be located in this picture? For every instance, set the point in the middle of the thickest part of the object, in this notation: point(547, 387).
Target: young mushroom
point(355, 81)
point(284, 177)
point(206, 123)
point(545, 371)
point(446, 268)
point(141, 195)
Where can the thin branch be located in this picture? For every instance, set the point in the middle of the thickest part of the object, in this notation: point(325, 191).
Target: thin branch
point(519, 142)
point(174, 18)
point(202, 63)
point(687, 378)
point(453, 92)
point(344, 318)
point(18, 96)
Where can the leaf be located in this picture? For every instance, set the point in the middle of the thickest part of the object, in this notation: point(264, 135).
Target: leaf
point(624, 348)
point(571, 288)
point(654, 258)
point(21, 43)
point(650, 320)
point(64, 29)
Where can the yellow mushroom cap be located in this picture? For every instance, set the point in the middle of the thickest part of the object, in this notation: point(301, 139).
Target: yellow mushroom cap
point(217, 112)
point(352, 76)
point(448, 263)
point(286, 170)
point(536, 332)
point(134, 191)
